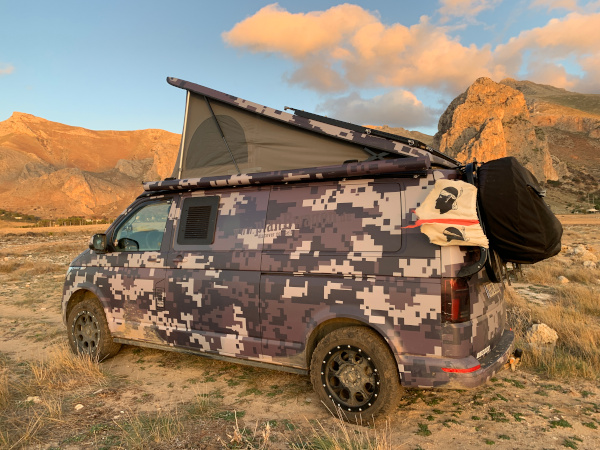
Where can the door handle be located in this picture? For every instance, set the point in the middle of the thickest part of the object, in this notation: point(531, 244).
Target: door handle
point(179, 259)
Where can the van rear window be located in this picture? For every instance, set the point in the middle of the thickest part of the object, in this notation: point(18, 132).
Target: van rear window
point(198, 219)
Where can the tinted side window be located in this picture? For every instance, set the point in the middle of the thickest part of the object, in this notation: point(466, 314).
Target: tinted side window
point(198, 219)
point(143, 230)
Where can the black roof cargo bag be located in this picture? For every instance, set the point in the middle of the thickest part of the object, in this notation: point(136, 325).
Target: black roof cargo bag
point(519, 224)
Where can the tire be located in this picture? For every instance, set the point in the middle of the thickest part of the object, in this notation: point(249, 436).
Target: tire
point(353, 369)
point(88, 331)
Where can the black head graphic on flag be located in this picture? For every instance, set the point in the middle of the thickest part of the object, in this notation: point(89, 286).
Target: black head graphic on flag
point(453, 233)
point(447, 199)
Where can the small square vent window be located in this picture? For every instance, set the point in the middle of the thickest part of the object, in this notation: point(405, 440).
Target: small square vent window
point(198, 220)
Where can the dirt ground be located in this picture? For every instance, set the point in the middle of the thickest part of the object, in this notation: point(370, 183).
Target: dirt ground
point(515, 410)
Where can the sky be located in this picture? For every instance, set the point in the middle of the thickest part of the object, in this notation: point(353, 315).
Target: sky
point(103, 65)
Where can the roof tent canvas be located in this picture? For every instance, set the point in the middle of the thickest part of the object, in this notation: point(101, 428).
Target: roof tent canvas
point(226, 135)
point(255, 143)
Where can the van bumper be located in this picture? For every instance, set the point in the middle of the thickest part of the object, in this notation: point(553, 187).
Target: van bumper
point(450, 373)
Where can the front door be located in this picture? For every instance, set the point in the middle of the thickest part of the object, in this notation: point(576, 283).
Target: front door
point(140, 247)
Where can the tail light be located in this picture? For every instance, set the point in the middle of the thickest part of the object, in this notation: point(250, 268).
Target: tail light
point(456, 304)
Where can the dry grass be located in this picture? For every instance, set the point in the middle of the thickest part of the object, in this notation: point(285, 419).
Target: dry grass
point(9, 266)
point(63, 370)
point(257, 438)
point(4, 389)
point(24, 269)
point(345, 436)
point(585, 299)
point(33, 395)
point(573, 312)
point(140, 431)
point(547, 273)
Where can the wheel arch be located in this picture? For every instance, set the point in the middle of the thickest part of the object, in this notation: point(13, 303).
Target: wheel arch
point(77, 297)
point(327, 326)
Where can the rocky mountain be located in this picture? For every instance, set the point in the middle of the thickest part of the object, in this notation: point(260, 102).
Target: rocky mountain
point(52, 170)
point(570, 122)
point(553, 132)
point(490, 121)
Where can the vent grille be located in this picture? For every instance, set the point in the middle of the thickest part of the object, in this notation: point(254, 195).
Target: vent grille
point(197, 223)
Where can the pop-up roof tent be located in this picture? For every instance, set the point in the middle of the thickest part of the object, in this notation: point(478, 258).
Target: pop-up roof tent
point(225, 135)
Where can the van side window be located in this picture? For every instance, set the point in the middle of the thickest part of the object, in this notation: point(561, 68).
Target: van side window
point(143, 230)
point(198, 220)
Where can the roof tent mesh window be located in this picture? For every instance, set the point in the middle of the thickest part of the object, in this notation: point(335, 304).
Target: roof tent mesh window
point(207, 147)
point(198, 220)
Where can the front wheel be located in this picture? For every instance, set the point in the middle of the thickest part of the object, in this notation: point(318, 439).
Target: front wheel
point(88, 331)
point(354, 370)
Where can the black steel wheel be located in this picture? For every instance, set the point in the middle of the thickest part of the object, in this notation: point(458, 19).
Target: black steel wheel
point(88, 330)
point(351, 378)
point(353, 369)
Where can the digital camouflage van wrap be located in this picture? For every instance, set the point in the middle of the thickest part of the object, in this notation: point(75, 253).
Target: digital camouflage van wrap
point(318, 269)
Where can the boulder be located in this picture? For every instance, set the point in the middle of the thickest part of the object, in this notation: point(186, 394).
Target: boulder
point(581, 253)
point(541, 334)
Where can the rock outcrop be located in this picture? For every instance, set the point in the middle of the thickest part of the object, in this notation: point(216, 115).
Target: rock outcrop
point(564, 121)
point(490, 121)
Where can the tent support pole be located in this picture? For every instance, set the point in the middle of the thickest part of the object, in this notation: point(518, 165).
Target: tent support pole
point(222, 134)
point(182, 145)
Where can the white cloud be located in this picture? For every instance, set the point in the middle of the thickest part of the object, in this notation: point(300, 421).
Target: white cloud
point(569, 5)
point(6, 69)
point(574, 36)
point(589, 83)
point(347, 47)
point(318, 74)
point(548, 73)
point(395, 108)
point(410, 57)
point(273, 29)
point(466, 8)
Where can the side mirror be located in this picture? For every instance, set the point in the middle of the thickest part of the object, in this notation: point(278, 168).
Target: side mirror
point(128, 245)
point(98, 243)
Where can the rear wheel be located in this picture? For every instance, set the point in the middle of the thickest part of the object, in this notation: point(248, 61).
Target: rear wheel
point(88, 331)
point(354, 370)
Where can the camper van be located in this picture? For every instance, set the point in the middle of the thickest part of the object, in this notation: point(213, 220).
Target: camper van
point(293, 242)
